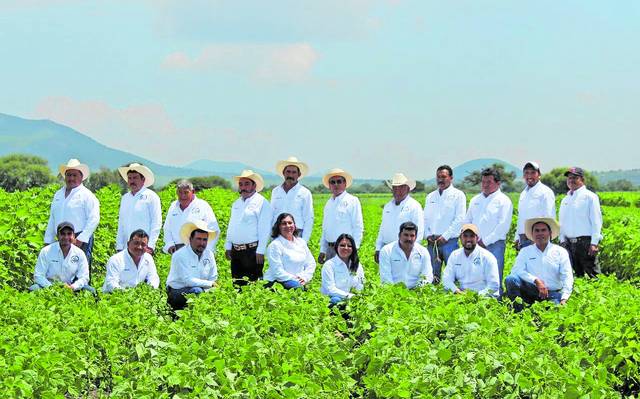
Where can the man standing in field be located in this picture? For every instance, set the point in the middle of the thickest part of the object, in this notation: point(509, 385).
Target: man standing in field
point(292, 197)
point(405, 261)
point(187, 208)
point(444, 210)
point(402, 208)
point(580, 224)
point(248, 230)
point(536, 200)
point(139, 208)
point(74, 203)
point(342, 214)
point(132, 266)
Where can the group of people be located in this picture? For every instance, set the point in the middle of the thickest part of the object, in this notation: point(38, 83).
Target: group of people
point(281, 228)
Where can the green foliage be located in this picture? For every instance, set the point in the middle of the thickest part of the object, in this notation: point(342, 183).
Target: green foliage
point(620, 185)
point(105, 177)
point(20, 172)
point(556, 180)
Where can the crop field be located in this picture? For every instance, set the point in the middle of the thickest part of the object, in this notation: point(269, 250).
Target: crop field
point(260, 343)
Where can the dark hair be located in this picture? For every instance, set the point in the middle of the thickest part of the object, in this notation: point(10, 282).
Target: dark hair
point(275, 230)
point(193, 233)
point(445, 167)
point(408, 226)
point(138, 233)
point(295, 166)
point(491, 172)
point(135, 171)
point(354, 260)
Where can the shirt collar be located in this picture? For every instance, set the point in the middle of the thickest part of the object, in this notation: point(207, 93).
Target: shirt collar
point(535, 186)
point(578, 190)
point(339, 197)
point(493, 194)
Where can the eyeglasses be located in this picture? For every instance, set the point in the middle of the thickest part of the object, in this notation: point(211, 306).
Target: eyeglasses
point(337, 181)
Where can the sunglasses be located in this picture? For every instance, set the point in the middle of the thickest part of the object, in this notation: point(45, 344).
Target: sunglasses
point(336, 181)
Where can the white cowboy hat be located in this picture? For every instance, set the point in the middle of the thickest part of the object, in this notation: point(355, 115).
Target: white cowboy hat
point(187, 228)
point(304, 169)
point(337, 172)
point(74, 164)
point(400, 179)
point(551, 222)
point(149, 179)
point(251, 175)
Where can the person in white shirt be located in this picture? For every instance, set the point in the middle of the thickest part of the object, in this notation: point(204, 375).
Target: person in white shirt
point(248, 230)
point(444, 210)
point(62, 261)
point(292, 197)
point(581, 224)
point(402, 208)
point(139, 208)
point(76, 204)
point(536, 200)
point(132, 266)
point(187, 208)
point(290, 261)
point(342, 214)
point(343, 273)
point(541, 271)
point(193, 267)
point(405, 260)
point(491, 211)
point(473, 267)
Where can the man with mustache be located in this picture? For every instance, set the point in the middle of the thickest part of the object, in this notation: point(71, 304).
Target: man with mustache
point(131, 266)
point(405, 261)
point(536, 200)
point(248, 230)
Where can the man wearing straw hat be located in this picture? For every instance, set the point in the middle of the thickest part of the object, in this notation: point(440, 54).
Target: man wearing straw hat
point(248, 230)
point(76, 204)
point(402, 208)
point(342, 214)
point(292, 197)
point(541, 271)
point(193, 267)
point(140, 208)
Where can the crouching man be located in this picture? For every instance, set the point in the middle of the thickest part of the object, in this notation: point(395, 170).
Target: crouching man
point(131, 266)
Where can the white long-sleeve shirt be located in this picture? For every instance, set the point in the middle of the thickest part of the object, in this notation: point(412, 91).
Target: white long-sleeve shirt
point(552, 266)
point(53, 266)
point(444, 212)
point(122, 272)
point(409, 210)
point(289, 260)
point(492, 215)
point(580, 215)
point(337, 279)
point(342, 214)
point(139, 211)
point(396, 268)
point(81, 208)
point(477, 272)
point(198, 209)
point(250, 222)
point(189, 271)
point(534, 202)
point(298, 202)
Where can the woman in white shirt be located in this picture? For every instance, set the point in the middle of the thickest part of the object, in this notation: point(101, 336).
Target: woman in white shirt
point(290, 261)
point(342, 273)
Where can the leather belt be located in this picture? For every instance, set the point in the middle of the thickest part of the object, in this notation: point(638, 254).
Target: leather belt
point(579, 239)
point(244, 247)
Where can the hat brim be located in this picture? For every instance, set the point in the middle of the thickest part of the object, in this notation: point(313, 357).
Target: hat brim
point(149, 179)
point(84, 169)
point(552, 223)
point(304, 169)
point(347, 177)
point(187, 228)
point(254, 177)
point(409, 182)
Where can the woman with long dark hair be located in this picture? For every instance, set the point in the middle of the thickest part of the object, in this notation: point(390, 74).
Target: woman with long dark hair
point(343, 273)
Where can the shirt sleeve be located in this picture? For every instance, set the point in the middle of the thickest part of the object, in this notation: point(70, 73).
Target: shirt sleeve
point(379, 239)
point(309, 265)
point(274, 255)
point(49, 233)
point(213, 274)
point(550, 204)
point(166, 231)
point(112, 278)
point(427, 269)
point(82, 275)
point(503, 223)
point(562, 237)
point(566, 276)
point(329, 283)
point(449, 277)
point(40, 274)
point(324, 244)
point(385, 267)
point(358, 279)
point(357, 222)
point(520, 268)
point(520, 222)
point(121, 241)
point(308, 217)
point(92, 213)
point(155, 215)
point(595, 214)
point(264, 227)
point(492, 277)
point(459, 215)
point(212, 222)
point(152, 275)
point(418, 219)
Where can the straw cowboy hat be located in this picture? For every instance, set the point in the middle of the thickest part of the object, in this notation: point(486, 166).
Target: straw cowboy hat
point(187, 228)
point(400, 179)
point(337, 172)
point(551, 222)
point(149, 179)
point(74, 164)
point(251, 175)
point(304, 169)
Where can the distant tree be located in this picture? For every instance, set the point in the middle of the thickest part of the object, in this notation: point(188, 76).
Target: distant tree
point(556, 180)
point(105, 177)
point(508, 184)
point(419, 187)
point(320, 189)
point(204, 182)
point(620, 185)
point(21, 172)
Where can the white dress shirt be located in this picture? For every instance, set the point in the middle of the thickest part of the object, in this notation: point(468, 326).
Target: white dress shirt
point(298, 202)
point(552, 266)
point(534, 202)
point(492, 215)
point(250, 222)
point(580, 215)
point(53, 266)
point(197, 209)
point(342, 214)
point(189, 271)
point(139, 211)
point(337, 279)
point(396, 268)
point(444, 212)
point(81, 208)
point(409, 210)
point(477, 272)
point(289, 260)
point(122, 272)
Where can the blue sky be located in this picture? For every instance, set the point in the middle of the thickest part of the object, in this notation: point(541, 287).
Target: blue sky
point(373, 87)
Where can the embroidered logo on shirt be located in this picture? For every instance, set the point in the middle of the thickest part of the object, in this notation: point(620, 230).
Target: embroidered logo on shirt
point(206, 262)
point(75, 259)
point(476, 261)
point(195, 210)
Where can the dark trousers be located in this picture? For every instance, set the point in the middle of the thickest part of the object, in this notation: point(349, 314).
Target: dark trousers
point(243, 264)
point(176, 297)
point(581, 262)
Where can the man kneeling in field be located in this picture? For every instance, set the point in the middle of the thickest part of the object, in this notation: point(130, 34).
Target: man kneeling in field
point(406, 261)
point(131, 266)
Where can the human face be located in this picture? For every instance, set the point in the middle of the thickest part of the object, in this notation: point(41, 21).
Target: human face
point(246, 187)
point(469, 240)
point(337, 185)
point(185, 195)
point(344, 249)
point(489, 185)
point(137, 246)
point(443, 179)
point(287, 227)
point(66, 237)
point(400, 192)
point(574, 182)
point(531, 177)
point(291, 174)
point(407, 238)
point(135, 181)
point(199, 242)
point(72, 178)
point(541, 233)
